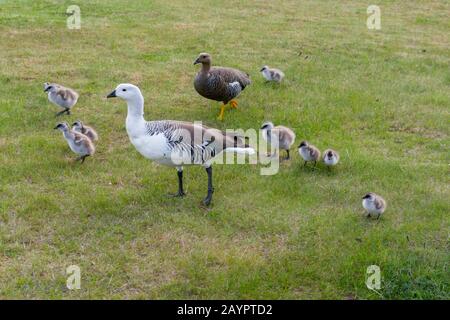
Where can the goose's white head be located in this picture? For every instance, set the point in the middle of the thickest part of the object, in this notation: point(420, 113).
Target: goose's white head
point(132, 95)
point(127, 91)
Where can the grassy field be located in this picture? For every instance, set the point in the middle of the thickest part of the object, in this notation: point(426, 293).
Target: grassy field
point(381, 98)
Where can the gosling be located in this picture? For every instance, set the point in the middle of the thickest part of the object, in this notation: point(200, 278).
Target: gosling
point(374, 204)
point(78, 142)
point(61, 96)
point(330, 157)
point(272, 74)
point(79, 126)
point(308, 152)
point(280, 137)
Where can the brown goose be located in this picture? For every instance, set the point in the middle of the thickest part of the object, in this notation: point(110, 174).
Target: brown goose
point(218, 83)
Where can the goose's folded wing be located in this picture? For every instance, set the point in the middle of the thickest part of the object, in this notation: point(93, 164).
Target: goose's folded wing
point(313, 152)
point(230, 75)
point(378, 203)
point(79, 138)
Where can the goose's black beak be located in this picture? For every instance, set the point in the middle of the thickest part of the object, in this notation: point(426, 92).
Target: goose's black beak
point(112, 94)
point(196, 62)
point(57, 127)
point(262, 69)
point(46, 89)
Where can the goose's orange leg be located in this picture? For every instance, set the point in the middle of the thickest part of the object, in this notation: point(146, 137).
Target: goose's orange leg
point(233, 104)
point(222, 111)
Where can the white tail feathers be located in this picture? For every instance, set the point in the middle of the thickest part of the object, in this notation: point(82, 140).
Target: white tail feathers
point(248, 151)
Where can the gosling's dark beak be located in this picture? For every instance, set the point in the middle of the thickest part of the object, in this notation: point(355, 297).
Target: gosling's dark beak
point(262, 69)
point(57, 127)
point(112, 94)
point(46, 89)
point(196, 61)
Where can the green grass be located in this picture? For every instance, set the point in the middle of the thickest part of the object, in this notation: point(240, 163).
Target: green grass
point(379, 97)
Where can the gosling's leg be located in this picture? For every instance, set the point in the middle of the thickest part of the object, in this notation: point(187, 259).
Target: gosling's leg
point(222, 111)
point(208, 198)
point(288, 156)
point(82, 158)
point(68, 112)
point(61, 112)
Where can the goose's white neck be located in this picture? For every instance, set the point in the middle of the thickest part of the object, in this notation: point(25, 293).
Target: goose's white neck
point(136, 107)
point(135, 122)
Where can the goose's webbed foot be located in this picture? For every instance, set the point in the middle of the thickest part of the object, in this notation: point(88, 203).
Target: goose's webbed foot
point(233, 104)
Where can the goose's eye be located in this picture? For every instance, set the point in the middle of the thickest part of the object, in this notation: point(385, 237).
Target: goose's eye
point(124, 90)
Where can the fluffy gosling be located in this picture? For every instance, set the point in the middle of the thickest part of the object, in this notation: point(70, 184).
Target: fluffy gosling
point(279, 137)
point(308, 152)
point(61, 96)
point(272, 74)
point(330, 157)
point(79, 126)
point(374, 204)
point(78, 142)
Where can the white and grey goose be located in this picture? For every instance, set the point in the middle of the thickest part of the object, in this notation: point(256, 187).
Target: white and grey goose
point(279, 137)
point(79, 126)
point(272, 74)
point(61, 96)
point(175, 143)
point(374, 204)
point(330, 157)
point(78, 142)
